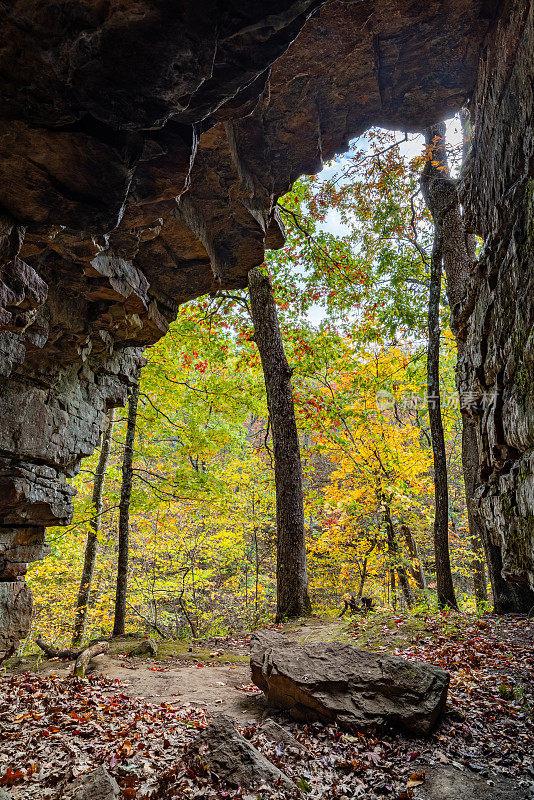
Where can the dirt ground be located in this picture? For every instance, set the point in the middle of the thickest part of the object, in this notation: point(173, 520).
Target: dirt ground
point(482, 750)
point(212, 675)
point(211, 688)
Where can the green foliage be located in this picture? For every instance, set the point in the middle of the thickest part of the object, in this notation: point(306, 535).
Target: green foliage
point(203, 524)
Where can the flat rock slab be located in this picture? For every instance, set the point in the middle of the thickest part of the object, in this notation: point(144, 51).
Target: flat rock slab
point(448, 783)
point(357, 689)
point(231, 758)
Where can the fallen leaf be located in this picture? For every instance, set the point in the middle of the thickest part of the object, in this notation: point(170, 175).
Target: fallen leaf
point(415, 779)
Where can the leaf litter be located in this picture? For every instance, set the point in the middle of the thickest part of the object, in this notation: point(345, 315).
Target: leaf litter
point(53, 729)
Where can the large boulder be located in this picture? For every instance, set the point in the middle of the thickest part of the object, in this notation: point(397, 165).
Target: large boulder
point(230, 758)
point(357, 689)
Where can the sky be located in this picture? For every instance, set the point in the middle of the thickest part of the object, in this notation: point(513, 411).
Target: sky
point(408, 149)
point(333, 223)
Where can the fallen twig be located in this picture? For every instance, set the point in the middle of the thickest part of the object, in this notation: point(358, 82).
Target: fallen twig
point(86, 655)
point(80, 656)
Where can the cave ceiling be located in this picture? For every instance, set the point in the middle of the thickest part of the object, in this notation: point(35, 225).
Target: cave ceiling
point(144, 144)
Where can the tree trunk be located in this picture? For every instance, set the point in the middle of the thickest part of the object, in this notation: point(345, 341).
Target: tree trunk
point(64, 653)
point(91, 546)
point(458, 254)
point(393, 550)
point(291, 572)
point(124, 515)
point(362, 580)
point(393, 589)
point(81, 655)
point(82, 662)
point(417, 571)
point(445, 587)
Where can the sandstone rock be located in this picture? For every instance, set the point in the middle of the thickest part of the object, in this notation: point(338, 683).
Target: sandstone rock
point(18, 548)
point(95, 785)
point(145, 648)
point(232, 759)
point(15, 615)
point(143, 149)
point(357, 689)
point(496, 371)
point(274, 732)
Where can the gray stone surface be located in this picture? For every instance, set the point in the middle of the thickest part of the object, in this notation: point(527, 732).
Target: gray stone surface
point(496, 318)
point(232, 759)
point(145, 648)
point(449, 783)
point(274, 732)
point(355, 688)
point(95, 785)
point(15, 615)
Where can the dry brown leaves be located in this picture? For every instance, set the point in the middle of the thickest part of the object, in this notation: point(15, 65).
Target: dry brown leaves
point(53, 729)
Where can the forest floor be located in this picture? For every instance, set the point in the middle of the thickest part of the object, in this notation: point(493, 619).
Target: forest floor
point(138, 716)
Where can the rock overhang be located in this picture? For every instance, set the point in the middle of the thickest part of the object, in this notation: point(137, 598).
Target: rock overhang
point(144, 146)
point(145, 132)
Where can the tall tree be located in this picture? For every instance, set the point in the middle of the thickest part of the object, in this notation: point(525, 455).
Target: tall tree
point(445, 587)
point(458, 253)
point(91, 546)
point(124, 515)
point(416, 567)
point(291, 571)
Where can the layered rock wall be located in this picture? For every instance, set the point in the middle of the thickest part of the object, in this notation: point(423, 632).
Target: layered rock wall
point(143, 148)
point(496, 373)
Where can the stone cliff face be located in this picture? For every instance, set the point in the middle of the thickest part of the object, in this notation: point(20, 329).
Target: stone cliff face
point(496, 319)
point(143, 147)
